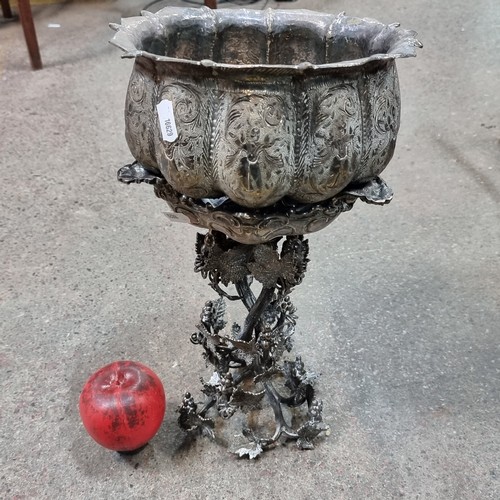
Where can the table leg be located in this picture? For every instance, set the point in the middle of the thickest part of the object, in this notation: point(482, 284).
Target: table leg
point(7, 13)
point(26, 17)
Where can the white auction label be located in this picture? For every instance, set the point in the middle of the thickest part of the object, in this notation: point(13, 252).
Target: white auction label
point(167, 120)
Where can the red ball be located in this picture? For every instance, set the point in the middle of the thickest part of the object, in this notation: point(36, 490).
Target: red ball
point(122, 405)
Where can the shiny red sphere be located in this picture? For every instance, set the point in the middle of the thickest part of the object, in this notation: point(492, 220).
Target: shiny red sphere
point(122, 405)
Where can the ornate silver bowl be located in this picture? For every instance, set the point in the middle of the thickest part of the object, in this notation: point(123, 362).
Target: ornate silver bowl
point(267, 104)
point(258, 125)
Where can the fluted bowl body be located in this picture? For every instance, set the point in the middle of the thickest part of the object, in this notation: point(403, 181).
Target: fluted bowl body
point(266, 104)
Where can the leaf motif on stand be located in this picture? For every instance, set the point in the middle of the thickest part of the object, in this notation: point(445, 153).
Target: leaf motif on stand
point(245, 351)
point(285, 270)
point(268, 268)
point(252, 452)
point(218, 314)
point(233, 265)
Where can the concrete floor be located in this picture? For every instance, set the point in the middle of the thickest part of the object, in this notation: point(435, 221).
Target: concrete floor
point(400, 309)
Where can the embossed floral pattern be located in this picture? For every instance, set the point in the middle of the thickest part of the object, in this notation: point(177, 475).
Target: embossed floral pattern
point(266, 130)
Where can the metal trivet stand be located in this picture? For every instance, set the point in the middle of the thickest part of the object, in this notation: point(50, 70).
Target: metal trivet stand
point(249, 368)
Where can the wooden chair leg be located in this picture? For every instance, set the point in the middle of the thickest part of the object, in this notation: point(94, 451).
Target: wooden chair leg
point(26, 17)
point(211, 3)
point(7, 13)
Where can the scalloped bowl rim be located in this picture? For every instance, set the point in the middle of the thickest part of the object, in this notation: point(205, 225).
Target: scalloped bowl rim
point(407, 44)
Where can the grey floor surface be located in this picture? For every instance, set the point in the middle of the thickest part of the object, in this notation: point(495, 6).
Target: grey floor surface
point(399, 310)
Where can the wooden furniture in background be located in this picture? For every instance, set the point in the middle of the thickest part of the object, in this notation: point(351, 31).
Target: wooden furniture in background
point(26, 17)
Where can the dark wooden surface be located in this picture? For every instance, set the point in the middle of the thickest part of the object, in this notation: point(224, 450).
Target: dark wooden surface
point(7, 13)
point(26, 16)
